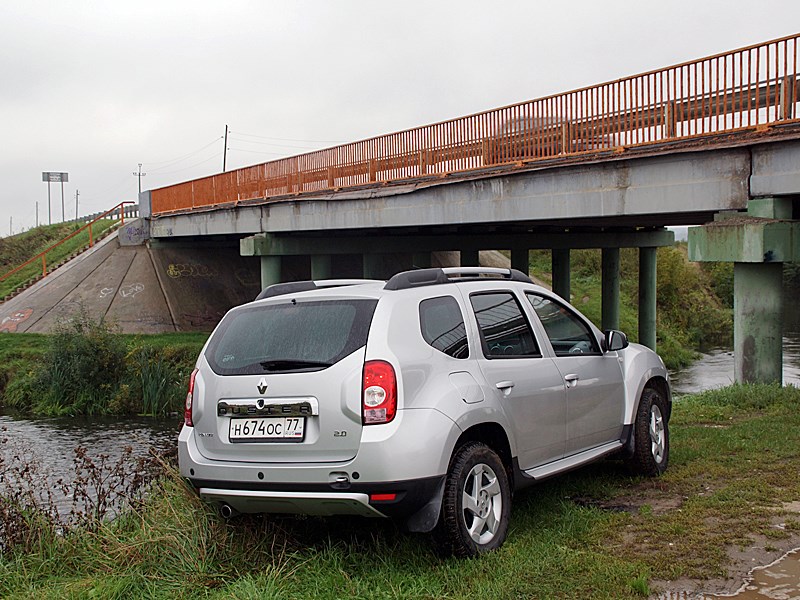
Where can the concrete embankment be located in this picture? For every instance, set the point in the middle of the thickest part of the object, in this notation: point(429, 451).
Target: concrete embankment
point(141, 289)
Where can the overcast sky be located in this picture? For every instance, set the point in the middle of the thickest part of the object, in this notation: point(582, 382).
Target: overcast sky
point(94, 88)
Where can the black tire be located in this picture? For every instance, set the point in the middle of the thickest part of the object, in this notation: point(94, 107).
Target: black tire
point(475, 472)
point(650, 435)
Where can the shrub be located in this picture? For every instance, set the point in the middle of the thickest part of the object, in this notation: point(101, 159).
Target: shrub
point(83, 367)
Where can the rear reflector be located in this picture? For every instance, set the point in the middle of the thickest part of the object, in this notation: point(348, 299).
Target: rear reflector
point(382, 497)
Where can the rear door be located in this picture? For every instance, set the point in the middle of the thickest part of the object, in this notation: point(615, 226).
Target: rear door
point(282, 381)
point(527, 384)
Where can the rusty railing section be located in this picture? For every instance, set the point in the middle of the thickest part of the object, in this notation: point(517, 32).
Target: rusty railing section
point(745, 89)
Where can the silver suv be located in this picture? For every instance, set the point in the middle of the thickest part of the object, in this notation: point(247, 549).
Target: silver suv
point(428, 398)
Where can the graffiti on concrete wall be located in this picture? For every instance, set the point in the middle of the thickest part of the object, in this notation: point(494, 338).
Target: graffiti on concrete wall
point(10, 323)
point(126, 291)
point(129, 291)
point(178, 270)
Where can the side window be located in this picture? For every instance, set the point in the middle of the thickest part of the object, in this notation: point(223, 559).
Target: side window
point(568, 334)
point(504, 331)
point(442, 326)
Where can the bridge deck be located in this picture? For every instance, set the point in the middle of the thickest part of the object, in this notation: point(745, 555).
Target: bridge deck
point(734, 93)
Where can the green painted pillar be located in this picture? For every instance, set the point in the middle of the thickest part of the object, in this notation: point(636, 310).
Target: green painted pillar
point(270, 270)
point(559, 260)
point(470, 258)
point(520, 260)
point(421, 260)
point(610, 294)
point(373, 266)
point(320, 266)
point(647, 297)
point(758, 322)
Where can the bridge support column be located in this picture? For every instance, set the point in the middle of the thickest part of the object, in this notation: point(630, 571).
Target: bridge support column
point(520, 259)
point(559, 260)
point(470, 258)
point(610, 288)
point(758, 244)
point(373, 266)
point(270, 270)
point(421, 260)
point(320, 266)
point(758, 322)
point(647, 297)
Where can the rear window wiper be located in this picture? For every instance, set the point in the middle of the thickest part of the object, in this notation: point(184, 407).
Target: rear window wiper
point(292, 364)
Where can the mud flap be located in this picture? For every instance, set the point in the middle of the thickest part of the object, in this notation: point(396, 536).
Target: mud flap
point(425, 519)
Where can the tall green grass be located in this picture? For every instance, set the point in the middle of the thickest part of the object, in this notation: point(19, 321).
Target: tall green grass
point(86, 368)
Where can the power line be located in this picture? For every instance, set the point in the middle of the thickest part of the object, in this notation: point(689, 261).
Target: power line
point(167, 163)
point(238, 139)
point(192, 166)
point(290, 139)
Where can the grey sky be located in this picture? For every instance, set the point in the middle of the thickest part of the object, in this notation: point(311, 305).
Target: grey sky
point(93, 88)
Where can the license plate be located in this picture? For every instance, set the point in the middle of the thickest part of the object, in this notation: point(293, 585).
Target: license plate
point(267, 429)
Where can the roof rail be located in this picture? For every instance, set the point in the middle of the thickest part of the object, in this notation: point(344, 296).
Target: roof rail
point(423, 277)
point(294, 287)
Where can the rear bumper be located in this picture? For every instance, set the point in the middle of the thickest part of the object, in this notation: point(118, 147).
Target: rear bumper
point(386, 499)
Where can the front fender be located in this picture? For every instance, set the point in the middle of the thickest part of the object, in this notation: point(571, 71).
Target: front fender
point(641, 365)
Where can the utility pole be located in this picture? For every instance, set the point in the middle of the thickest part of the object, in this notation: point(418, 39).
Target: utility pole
point(10, 225)
point(37, 213)
point(63, 214)
point(139, 175)
point(77, 193)
point(225, 150)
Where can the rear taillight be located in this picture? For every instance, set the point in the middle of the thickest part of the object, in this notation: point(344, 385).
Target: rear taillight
point(379, 393)
point(187, 409)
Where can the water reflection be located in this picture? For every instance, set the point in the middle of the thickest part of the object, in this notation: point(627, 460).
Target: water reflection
point(715, 369)
point(51, 442)
point(777, 581)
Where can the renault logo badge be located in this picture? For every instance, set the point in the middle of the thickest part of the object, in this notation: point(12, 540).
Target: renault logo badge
point(262, 386)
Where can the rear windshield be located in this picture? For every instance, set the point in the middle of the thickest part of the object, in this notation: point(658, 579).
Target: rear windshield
point(289, 337)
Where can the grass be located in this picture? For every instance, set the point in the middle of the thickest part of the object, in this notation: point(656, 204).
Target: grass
point(15, 250)
point(39, 373)
point(594, 533)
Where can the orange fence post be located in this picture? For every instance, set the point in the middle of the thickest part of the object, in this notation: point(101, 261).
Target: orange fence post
point(91, 240)
point(44, 266)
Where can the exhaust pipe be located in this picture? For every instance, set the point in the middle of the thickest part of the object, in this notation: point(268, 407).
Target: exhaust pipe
point(227, 511)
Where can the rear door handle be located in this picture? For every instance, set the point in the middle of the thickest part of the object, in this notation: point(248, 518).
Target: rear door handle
point(505, 386)
point(571, 379)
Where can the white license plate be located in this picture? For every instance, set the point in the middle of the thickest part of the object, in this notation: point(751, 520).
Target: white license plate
point(256, 429)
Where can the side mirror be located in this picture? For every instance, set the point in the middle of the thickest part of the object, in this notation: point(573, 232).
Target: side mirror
point(615, 340)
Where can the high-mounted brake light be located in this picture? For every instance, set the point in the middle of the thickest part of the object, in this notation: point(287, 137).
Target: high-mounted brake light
point(379, 397)
point(187, 409)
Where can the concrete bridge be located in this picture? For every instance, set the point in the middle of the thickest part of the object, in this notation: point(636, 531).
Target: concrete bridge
point(714, 141)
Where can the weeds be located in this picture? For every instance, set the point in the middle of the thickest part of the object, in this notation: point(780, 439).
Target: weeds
point(86, 368)
point(36, 506)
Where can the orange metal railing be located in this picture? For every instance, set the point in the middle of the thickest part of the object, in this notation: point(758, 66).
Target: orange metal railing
point(43, 255)
point(740, 90)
